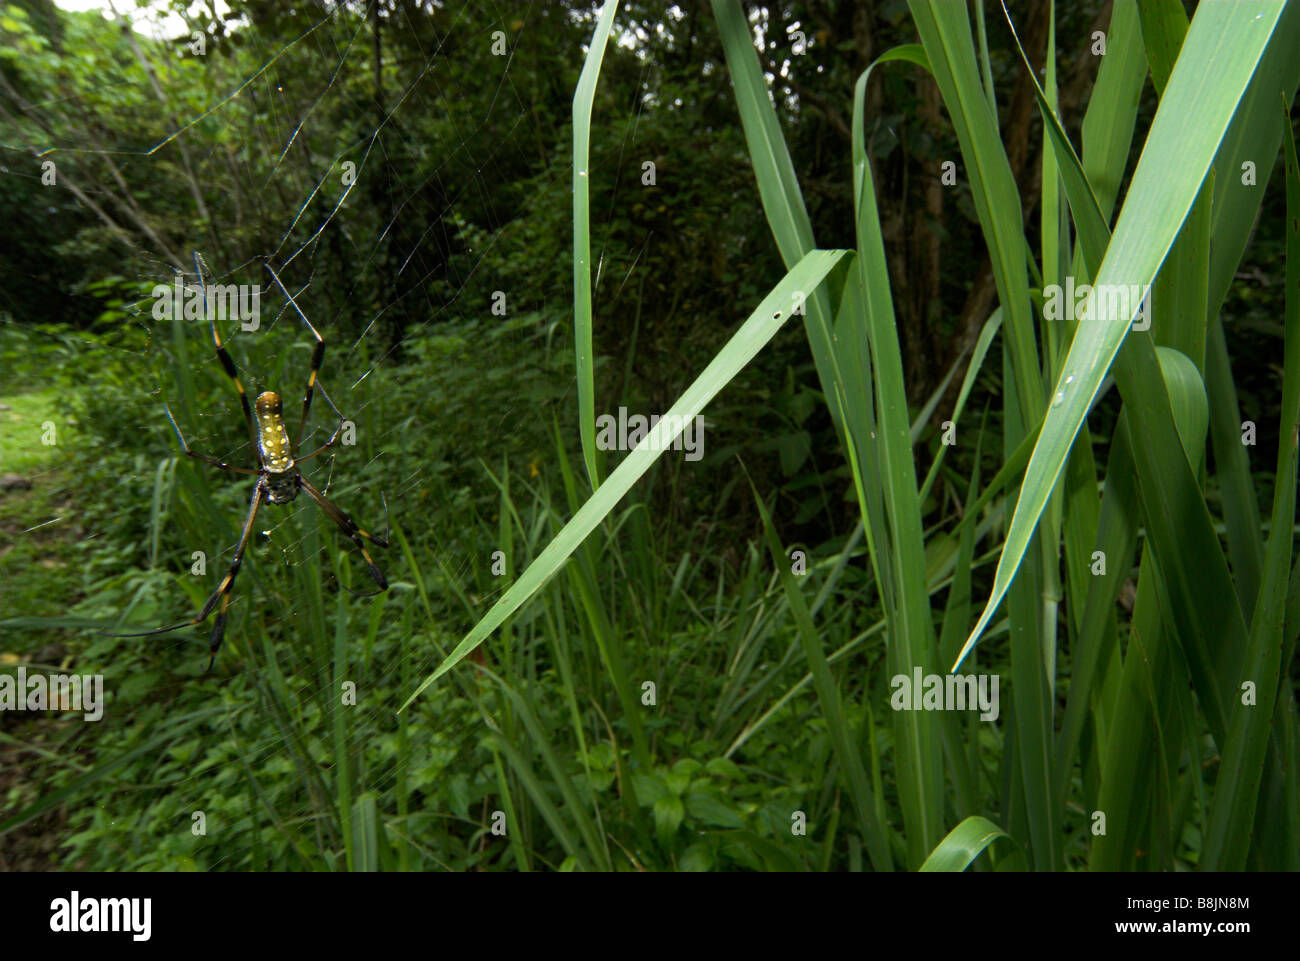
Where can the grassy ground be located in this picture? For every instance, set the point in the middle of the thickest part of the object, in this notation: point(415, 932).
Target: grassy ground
point(38, 538)
point(38, 523)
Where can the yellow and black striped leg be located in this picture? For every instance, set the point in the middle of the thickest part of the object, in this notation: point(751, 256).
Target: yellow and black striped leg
point(358, 536)
point(223, 355)
point(317, 356)
point(223, 591)
point(189, 452)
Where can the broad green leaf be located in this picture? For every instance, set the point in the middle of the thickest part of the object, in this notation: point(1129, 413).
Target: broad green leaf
point(963, 845)
point(1223, 46)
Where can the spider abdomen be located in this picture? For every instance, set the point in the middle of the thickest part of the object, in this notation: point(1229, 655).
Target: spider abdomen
point(272, 437)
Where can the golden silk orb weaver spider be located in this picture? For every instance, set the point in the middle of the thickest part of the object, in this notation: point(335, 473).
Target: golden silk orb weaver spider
point(278, 479)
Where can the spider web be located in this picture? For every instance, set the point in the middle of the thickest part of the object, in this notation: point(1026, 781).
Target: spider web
point(369, 335)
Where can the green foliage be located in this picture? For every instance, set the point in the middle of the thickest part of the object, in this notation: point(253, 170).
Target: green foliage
point(631, 674)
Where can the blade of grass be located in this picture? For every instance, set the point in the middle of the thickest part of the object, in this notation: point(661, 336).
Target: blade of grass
point(829, 697)
point(884, 456)
point(946, 34)
point(583, 98)
point(752, 336)
point(1169, 175)
point(1236, 792)
point(963, 845)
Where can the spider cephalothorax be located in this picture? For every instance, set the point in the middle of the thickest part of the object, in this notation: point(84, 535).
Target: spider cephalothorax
point(278, 478)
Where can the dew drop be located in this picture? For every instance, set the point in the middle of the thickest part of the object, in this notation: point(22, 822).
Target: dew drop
point(1058, 399)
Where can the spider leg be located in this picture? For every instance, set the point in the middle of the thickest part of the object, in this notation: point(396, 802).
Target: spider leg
point(222, 593)
point(333, 437)
point(223, 355)
point(350, 528)
point(317, 355)
point(357, 593)
point(189, 452)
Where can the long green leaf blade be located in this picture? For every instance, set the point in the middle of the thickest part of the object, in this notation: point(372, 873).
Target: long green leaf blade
point(1223, 46)
point(753, 335)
